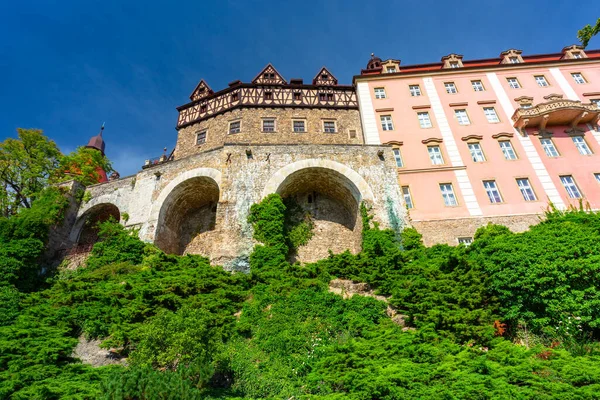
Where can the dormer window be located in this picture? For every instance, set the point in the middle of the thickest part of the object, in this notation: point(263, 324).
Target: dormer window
point(269, 75)
point(324, 76)
point(511, 56)
point(514, 60)
point(574, 52)
point(577, 54)
point(454, 64)
point(452, 61)
point(391, 70)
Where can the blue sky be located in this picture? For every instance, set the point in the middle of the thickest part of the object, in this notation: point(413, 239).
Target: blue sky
point(66, 66)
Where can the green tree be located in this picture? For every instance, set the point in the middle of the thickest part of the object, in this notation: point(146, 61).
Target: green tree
point(26, 165)
point(82, 165)
point(587, 32)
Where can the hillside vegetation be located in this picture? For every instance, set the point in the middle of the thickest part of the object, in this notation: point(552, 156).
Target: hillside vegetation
point(511, 316)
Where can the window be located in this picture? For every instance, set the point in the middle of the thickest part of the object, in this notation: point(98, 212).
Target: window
point(322, 97)
point(203, 108)
point(549, 148)
point(541, 81)
point(477, 86)
point(450, 88)
point(268, 95)
point(415, 90)
point(398, 158)
point(581, 145)
point(492, 191)
point(386, 122)
point(391, 70)
point(435, 155)
point(597, 176)
point(526, 189)
point(526, 106)
point(201, 137)
point(596, 102)
point(269, 75)
point(578, 77)
point(329, 126)
point(329, 96)
point(379, 93)
point(454, 64)
point(465, 240)
point(507, 150)
point(407, 197)
point(424, 120)
point(352, 133)
point(462, 117)
point(235, 127)
point(570, 186)
point(513, 83)
point(268, 125)
point(297, 95)
point(576, 54)
point(299, 126)
point(490, 114)
point(448, 195)
point(235, 97)
point(476, 152)
point(514, 60)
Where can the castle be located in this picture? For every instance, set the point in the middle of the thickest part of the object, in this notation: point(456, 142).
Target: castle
point(444, 147)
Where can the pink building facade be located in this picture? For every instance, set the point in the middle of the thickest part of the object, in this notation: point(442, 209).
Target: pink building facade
point(494, 140)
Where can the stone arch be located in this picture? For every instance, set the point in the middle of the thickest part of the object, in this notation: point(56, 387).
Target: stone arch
point(186, 211)
point(85, 229)
point(331, 192)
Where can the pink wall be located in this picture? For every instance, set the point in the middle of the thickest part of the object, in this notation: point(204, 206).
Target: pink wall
point(424, 185)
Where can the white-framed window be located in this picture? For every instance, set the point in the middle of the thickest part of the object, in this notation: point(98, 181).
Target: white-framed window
point(477, 86)
point(415, 90)
point(454, 64)
point(597, 176)
point(549, 148)
point(299, 125)
point(465, 240)
point(407, 197)
point(462, 117)
point(379, 93)
point(268, 125)
point(435, 155)
point(570, 186)
point(386, 122)
point(329, 127)
point(491, 115)
point(541, 80)
point(201, 137)
point(578, 77)
point(581, 145)
point(507, 150)
point(448, 195)
point(526, 189)
point(398, 158)
point(492, 191)
point(391, 70)
point(526, 106)
point(424, 120)
point(450, 87)
point(235, 127)
point(476, 152)
point(514, 60)
point(596, 102)
point(513, 83)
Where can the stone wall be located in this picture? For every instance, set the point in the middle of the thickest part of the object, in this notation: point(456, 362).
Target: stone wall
point(345, 175)
point(449, 230)
point(251, 129)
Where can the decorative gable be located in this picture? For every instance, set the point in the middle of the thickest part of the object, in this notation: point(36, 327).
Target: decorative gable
point(512, 56)
point(573, 52)
point(390, 66)
point(201, 91)
point(324, 78)
point(269, 75)
point(452, 61)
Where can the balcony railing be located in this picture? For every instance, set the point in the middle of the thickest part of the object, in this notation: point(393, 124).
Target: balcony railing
point(556, 112)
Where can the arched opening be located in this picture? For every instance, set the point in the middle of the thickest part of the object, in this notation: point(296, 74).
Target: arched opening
point(188, 217)
point(332, 201)
point(87, 225)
